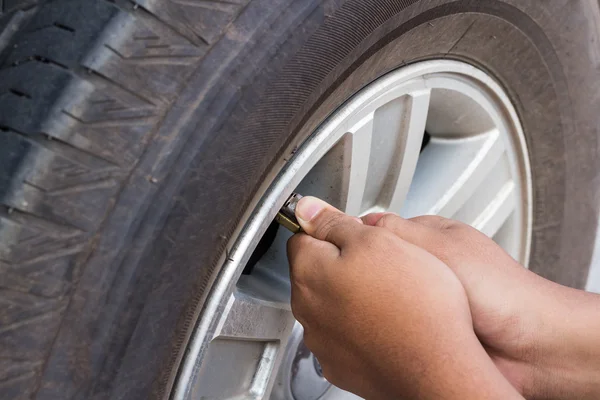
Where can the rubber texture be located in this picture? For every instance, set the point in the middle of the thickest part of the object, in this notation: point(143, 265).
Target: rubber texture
point(133, 135)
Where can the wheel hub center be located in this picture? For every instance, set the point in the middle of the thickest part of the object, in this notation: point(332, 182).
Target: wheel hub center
point(300, 375)
point(307, 381)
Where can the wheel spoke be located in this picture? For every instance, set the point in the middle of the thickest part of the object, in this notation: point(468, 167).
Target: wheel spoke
point(381, 153)
point(413, 139)
point(450, 171)
point(245, 349)
point(357, 152)
point(505, 236)
point(498, 211)
point(492, 202)
point(250, 318)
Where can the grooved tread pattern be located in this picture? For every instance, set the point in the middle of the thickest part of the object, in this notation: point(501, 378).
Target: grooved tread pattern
point(83, 85)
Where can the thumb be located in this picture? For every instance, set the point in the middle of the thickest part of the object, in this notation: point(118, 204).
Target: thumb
point(325, 222)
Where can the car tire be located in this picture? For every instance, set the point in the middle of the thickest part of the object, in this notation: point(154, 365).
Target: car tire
point(134, 135)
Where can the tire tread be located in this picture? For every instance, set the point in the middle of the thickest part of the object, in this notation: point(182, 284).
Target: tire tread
point(83, 85)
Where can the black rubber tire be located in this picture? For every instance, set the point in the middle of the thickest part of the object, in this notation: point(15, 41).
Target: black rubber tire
point(133, 134)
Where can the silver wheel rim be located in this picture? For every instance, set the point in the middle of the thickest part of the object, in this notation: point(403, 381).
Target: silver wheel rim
point(366, 157)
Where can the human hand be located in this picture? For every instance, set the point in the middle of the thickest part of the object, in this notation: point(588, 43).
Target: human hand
point(385, 318)
point(541, 335)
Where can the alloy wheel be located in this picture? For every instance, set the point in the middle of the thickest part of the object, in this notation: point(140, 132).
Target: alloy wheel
point(437, 137)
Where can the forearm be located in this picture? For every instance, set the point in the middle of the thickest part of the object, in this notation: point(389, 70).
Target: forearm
point(453, 368)
point(566, 360)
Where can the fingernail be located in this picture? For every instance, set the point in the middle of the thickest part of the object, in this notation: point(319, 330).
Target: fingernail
point(308, 207)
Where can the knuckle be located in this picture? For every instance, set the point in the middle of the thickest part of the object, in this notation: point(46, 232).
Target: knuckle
point(388, 220)
point(299, 277)
point(297, 306)
point(438, 222)
point(433, 221)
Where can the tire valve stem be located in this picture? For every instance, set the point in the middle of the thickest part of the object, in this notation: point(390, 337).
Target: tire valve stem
point(286, 217)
